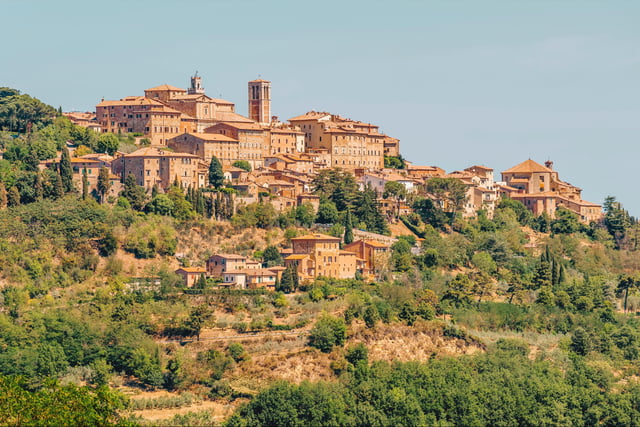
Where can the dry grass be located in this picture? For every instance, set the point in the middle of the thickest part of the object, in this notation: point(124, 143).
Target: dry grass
point(421, 342)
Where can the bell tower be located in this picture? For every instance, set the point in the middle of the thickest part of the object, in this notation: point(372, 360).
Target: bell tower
point(260, 101)
point(196, 85)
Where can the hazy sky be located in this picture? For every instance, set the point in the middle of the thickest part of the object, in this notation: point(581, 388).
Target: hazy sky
point(459, 82)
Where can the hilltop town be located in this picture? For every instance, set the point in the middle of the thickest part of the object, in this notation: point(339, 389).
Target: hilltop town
point(168, 261)
point(178, 132)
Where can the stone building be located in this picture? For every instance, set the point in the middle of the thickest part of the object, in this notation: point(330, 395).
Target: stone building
point(350, 144)
point(540, 189)
point(152, 166)
point(320, 255)
point(206, 145)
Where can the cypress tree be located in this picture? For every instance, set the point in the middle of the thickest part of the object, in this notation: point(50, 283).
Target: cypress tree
point(38, 187)
point(66, 173)
point(13, 197)
point(3, 196)
point(200, 204)
point(216, 175)
point(348, 228)
point(85, 184)
point(103, 183)
point(58, 187)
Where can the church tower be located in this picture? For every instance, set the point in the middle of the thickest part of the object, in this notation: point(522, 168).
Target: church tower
point(196, 85)
point(260, 101)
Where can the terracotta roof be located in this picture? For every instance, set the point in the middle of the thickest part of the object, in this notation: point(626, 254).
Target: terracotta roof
point(193, 269)
point(297, 256)
point(311, 115)
point(528, 166)
point(316, 236)
point(479, 167)
point(190, 96)
point(283, 130)
point(213, 137)
point(130, 100)
point(166, 87)
point(222, 101)
point(259, 81)
point(375, 243)
point(535, 195)
point(229, 256)
point(157, 152)
point(243, 271)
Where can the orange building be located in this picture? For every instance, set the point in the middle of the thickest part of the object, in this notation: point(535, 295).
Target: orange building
point(218, 264)
point(191, 275)
point(260, 101)
point(540, 189)
point(375, 255)
point(350, 144)
point(206, 145)
point(152, 166)
point(252, 139)
point(320, 255)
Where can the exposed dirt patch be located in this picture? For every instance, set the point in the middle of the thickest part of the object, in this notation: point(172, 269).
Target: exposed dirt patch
point(218, 411)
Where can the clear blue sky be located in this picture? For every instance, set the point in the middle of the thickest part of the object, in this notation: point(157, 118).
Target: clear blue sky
point(459, 82)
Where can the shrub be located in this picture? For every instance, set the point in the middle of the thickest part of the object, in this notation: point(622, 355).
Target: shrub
point(329, 331)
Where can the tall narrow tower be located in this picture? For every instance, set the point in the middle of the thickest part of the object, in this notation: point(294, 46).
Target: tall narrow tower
point(260, 101)
point(196, 85)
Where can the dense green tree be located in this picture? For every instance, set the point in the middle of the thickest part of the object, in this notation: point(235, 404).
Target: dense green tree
point(337, 185)
point(396, 191)
point(566, 222)
point(181, 209)
point(626, 284)
point(430, 213)
point(371, 316)
point(459, 290)
point(451, 191)
point(305, 214)
point(216, 174)
point(242, 164)
point(287, 283)
point(161, 204)
point(367, 211)
point(329, 331)
point(523, 215)
point(19, 113)
point(393, 162)
point(56, 405)
point(327, 212)
point(401, 258)
point(134, 193)
point(271, 256)
point(108, 143)
point(198, 317)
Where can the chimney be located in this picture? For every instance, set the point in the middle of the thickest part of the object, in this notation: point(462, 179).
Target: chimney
point(549, 164)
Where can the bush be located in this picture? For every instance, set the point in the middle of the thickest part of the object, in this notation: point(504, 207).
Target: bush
point(329, 331)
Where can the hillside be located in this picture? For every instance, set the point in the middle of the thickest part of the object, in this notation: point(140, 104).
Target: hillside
point(467, 320)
